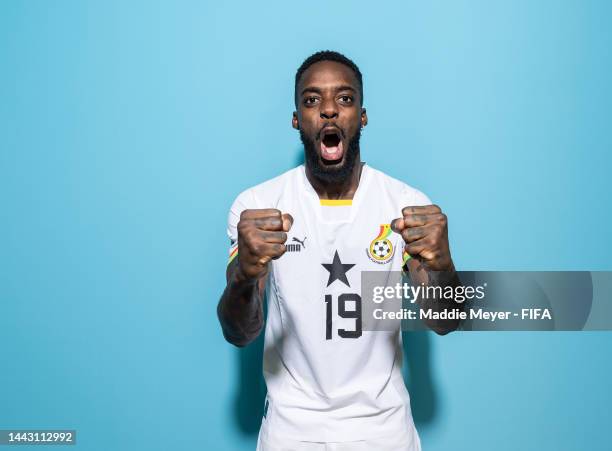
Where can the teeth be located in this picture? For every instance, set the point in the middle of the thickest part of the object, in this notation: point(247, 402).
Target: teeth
point(331, 152)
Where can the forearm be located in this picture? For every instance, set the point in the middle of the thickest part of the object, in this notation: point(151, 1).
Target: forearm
point(436, 302)
point(240, 308)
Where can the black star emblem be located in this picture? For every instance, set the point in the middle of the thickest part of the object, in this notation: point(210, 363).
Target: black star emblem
point(337, 270)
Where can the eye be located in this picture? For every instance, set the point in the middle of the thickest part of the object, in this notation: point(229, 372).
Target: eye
point(310, 100)
point(347, 99)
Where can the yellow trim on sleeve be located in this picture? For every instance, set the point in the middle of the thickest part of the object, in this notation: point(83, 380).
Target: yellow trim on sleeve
point(233, 255)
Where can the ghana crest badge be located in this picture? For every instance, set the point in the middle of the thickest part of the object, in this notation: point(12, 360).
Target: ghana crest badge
point(381, 250)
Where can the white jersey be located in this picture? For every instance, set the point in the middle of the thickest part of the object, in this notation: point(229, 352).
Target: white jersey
point(327, 379)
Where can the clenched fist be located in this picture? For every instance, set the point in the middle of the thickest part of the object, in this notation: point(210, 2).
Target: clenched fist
point(424, 230)
point(261, 237)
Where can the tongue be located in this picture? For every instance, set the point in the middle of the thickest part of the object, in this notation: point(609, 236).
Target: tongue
point(332, 153)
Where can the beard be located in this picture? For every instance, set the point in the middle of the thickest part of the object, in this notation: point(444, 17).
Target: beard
point(331, 174)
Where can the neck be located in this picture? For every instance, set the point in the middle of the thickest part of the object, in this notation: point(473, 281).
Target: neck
point(342, 190)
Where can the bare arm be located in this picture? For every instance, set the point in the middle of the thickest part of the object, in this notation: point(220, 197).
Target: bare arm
point(425, 232)
point(240, 308)
point(261, 238)
point(419, 274)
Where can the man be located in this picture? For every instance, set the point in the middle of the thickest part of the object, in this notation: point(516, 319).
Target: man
point(304, 237)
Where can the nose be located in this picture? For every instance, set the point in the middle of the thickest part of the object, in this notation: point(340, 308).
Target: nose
point(329, 110)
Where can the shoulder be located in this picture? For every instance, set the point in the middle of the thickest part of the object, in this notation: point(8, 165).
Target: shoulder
point(263, 195)
point(270, 190)
point(403, 192)
point(266, 194)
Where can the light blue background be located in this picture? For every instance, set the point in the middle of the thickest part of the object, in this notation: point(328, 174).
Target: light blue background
point(127, 129)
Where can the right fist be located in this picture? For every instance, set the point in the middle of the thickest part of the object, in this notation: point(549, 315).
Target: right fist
point(261, 237)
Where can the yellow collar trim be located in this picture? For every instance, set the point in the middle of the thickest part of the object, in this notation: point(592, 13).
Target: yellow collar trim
point(336, 202)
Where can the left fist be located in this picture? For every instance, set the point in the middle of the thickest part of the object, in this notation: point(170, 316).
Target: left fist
point(425, 232)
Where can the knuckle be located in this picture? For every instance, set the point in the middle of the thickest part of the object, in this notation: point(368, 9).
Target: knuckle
point(248, 234)
point(256, 248)
point(243, 235)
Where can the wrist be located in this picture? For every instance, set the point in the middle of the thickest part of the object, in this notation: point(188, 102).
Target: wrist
point(243, 278)
point(444, 277)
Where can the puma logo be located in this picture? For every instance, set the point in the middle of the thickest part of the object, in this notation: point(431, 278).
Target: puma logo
point(296, 247)
point(300, 241)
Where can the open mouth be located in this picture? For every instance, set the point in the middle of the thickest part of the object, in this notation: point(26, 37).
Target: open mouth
point(332, 149)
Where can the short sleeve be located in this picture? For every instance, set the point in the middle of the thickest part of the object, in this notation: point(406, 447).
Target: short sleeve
point(244, 201)
point(414, 198)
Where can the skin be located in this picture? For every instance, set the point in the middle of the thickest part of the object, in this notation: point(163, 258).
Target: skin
point(425, 233)
point(327, 94)
point(261, 237)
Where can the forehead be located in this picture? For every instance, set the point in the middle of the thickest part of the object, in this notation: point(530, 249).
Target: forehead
point(327, 74)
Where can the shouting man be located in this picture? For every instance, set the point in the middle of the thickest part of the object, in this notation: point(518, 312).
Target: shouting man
point(304, 237)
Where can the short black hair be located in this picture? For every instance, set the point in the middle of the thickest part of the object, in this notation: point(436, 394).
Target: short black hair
point(328, 55)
